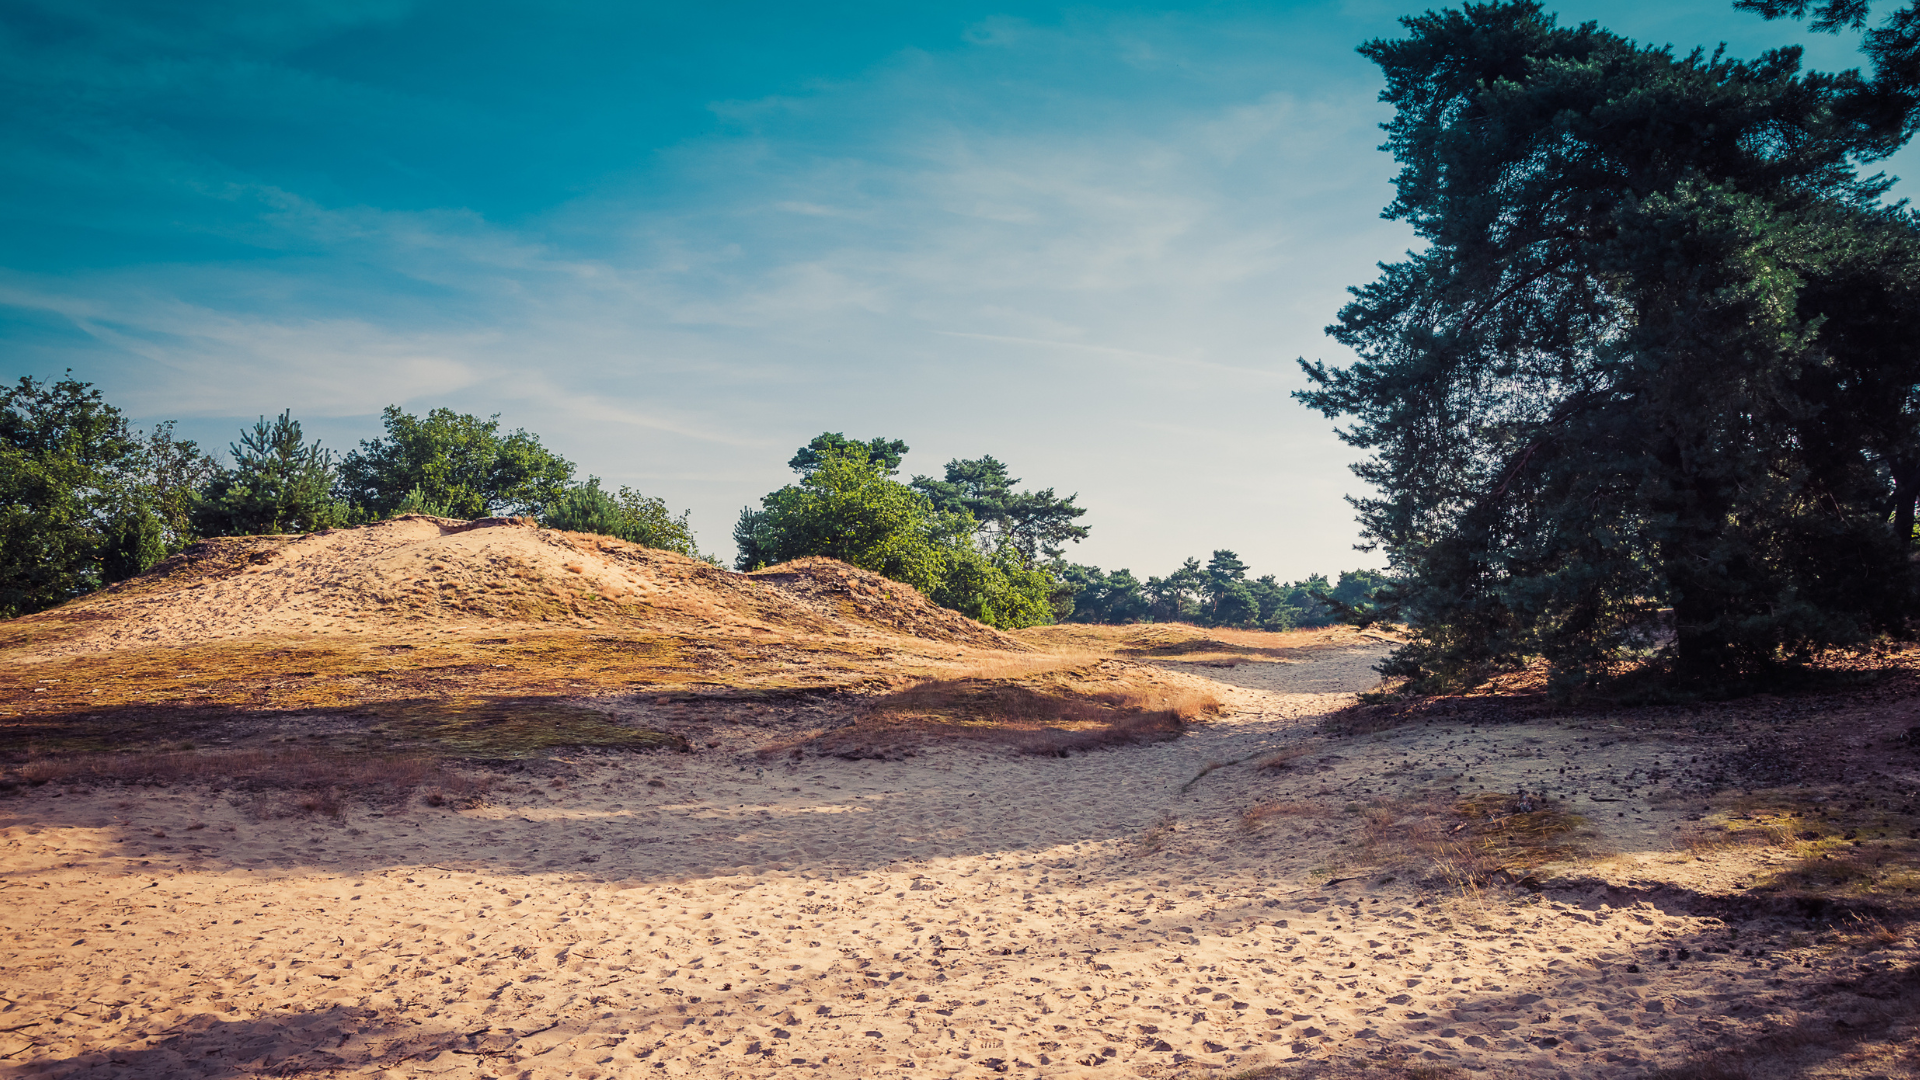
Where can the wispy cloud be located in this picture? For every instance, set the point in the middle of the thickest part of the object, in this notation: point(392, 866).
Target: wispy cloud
point(1075, 246)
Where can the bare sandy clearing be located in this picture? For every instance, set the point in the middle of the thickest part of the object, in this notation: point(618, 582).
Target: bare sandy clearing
point(964, 913)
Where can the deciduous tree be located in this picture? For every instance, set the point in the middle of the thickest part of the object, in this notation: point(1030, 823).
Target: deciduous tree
point(454, 461)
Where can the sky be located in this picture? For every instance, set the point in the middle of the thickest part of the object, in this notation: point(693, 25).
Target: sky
point(679, 240)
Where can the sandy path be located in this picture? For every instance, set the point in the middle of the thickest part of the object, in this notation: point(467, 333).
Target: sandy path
point(961, 914)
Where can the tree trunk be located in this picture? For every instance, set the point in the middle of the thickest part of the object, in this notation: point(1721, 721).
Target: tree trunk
point(1905, 477)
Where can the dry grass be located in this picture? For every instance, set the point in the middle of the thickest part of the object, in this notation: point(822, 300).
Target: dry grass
point(1281, 760)
point(1843, 844)
point(1157, 837)
point(1032, 707)
point(433, 633)
point(313, 780)
point(1470, 843)
point(1869, 933)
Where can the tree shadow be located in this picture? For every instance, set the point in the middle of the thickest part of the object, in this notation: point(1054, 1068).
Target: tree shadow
point(206, 1047)
point(1321, 670)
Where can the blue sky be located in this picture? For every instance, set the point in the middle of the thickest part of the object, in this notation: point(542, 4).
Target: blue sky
point(679, 240)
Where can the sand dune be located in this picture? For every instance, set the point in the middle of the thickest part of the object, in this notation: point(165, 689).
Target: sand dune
point(965, 913)
point(418, 574)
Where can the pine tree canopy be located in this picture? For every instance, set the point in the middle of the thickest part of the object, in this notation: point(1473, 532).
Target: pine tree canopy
point(1648, 387)
point(1035, 523)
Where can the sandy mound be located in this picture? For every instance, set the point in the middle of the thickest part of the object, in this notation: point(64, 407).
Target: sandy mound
point(473, 575)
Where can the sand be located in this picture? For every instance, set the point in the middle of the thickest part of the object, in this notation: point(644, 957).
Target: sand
point(966, 912)
point(416, 575)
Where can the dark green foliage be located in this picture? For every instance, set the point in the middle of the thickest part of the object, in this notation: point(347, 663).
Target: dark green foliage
point(135, 539)
point(172, 474)
point(278, 483)
point(584, 509)
point(417, 501)
point(999, 587)
point(1035, 523)
point(883, 452)
point(1314, 601)
point(1099, 597)
point(629, 515)
point(1177, 597)
point(1655, 354)
point(1229, 601)
point(1888, 105)
point(72, 516)
point(459, 463)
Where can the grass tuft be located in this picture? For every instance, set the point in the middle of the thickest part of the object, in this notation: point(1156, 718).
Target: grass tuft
point(1470, 843)
point(1841, 844)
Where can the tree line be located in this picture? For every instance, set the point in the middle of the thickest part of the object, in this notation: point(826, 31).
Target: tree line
point(87, 499)
point(1219, 594)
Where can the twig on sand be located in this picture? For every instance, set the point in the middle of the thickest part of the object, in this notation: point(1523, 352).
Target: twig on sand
point(1212, 765)
point(1204, 770)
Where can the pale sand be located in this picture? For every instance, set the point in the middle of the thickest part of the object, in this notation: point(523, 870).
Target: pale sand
point(963, 913)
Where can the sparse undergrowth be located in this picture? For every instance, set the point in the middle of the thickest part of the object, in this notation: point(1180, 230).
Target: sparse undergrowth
point(1468, 843)
point(1861, 847)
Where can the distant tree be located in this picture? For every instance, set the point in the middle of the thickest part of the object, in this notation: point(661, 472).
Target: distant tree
point(1036, 523)
point(845, 507)
point(1273, 600)
point(455, 461)
point(71, 516)
point(1099, 597)
point(1177, 597)
point(277, 483)
point(629, 515)
point(1219, 594)
point(1230, 602)
point(884, 453)
point(172, 473)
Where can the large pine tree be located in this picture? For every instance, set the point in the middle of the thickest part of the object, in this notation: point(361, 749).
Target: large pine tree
point(1660, 350)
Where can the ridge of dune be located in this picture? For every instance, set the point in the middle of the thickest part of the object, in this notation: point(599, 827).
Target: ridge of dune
point(393, 576)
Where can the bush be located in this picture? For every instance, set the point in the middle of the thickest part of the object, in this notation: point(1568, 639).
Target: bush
point(278, 483)
point(997, 588)
point(847, 507)
point(629, 515)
